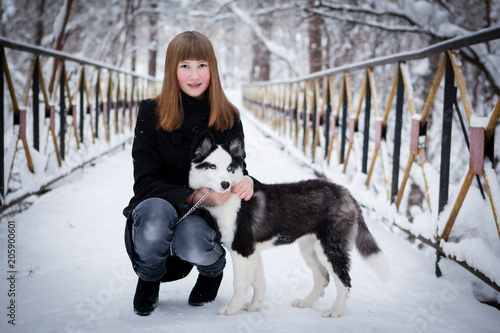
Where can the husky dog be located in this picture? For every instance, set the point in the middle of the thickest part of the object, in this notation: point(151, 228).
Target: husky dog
point(323, 216)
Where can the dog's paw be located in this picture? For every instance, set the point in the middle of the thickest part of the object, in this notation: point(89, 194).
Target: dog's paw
point(332, 313)
point(226, 311)
point(252, 307)
point(300, 303)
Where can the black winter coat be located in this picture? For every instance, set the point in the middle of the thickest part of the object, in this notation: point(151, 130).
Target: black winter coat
point(162, 162)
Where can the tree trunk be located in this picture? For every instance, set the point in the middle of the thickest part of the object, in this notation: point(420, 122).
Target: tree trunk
point(133, 42)
point(130, 33)
point(2, 31)
point(314, 28)
point(39, 22)
point(261, 62)
point(153, 41)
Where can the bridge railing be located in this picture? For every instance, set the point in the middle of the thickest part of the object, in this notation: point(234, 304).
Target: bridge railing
point(386, 146)
point(88, 110)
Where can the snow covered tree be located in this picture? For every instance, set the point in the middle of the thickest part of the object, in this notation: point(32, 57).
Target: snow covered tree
point(261, 62)
point(314, 30)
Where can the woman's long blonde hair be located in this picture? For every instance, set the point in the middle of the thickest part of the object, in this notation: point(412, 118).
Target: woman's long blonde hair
point(192, 45)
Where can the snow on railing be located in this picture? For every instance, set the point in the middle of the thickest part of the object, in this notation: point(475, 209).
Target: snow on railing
point(90, 111)
point(460, 221)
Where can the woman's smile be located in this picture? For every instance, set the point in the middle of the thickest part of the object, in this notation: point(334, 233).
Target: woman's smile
point(193, 77)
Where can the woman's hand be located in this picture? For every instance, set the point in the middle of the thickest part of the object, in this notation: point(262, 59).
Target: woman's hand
point(244, 189)
point(213, 199)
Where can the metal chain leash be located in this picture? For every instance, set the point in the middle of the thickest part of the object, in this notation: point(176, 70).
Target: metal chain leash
point(196, 205)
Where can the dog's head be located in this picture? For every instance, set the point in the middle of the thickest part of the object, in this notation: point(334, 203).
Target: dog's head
point(218, 167)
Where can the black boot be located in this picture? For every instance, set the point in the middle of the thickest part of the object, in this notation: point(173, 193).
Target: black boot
point(205, 290)
point(146, 297)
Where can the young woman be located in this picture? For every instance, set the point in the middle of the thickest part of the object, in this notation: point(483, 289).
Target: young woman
point(190, 102)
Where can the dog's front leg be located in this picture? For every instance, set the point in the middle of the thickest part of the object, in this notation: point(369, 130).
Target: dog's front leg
point(258, 284)
point(243, 271)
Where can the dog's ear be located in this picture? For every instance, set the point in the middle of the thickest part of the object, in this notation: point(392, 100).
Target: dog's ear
point(236, 148)
point(204, 145)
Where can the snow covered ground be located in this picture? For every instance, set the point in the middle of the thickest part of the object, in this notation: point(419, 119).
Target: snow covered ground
point(73, 274)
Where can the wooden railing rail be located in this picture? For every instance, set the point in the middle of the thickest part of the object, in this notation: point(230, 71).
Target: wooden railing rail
point(319, 113)
point(91, 104)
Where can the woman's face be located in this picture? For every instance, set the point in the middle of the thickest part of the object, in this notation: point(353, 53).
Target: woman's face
point(193, 77)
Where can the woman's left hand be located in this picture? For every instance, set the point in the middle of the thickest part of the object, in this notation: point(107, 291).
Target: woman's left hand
point(244, 189)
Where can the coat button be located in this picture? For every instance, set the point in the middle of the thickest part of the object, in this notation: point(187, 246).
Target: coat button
point(196, 130)
point(176, 138)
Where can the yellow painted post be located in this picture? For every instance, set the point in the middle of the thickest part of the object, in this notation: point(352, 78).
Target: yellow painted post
point(22, 137)
point(422, 162)
point(52, 132)
point(456, 207)
point(353, 120)
point(434, 88)
point(459, 77)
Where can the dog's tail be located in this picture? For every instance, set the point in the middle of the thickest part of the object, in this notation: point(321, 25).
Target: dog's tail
point(370, 251)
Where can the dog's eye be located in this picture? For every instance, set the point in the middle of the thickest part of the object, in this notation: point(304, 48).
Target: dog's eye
point(230, 168)
point(212, 166)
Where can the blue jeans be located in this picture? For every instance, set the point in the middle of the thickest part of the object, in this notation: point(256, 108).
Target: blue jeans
point(155, 238)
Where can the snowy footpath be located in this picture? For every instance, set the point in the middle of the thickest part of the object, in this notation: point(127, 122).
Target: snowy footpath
point(71, 272)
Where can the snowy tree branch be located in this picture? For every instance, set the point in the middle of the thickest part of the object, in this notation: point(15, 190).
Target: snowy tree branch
point(484, 63)
point(365, 10)
point(219, 13)
point(277, 50)
point(373, 24)
point(414, 28)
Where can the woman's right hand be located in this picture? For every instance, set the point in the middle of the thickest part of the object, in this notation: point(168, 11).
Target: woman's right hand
point(213, 199)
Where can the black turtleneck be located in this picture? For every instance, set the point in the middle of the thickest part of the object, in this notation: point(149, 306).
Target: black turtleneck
point(196, 111)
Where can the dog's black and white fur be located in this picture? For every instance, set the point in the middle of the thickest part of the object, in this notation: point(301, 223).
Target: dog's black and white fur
point(323, 216)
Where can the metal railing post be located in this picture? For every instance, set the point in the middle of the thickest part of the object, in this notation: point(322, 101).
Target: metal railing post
point(327, 118)
point(109, 105)
point(305, 118)
point(2, 126)
point(345, 119)
point(117, 106)
point(296, 116)
point(62, 114)
point(400, 94)
point(97, 106)
point(366, 131)
point(36, 105)
point(82, 109)
point(449, 98)
point(314, 120)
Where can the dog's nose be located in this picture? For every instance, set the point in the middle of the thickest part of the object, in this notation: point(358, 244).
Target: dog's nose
point(224, 185)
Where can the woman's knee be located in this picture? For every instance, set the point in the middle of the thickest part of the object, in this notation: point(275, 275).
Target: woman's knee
point(153, 220)
point(194, 241)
